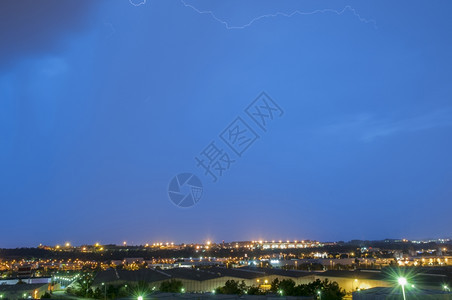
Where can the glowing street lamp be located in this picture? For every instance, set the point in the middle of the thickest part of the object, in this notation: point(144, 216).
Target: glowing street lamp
point(105, 290)
point(446, 288)
point(140, 298)
point(402, 281)
point(353, 284)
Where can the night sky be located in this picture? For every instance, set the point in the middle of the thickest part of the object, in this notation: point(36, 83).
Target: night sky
point(102, 103)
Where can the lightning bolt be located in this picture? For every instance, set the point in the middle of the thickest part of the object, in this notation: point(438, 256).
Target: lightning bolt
point(281, 14)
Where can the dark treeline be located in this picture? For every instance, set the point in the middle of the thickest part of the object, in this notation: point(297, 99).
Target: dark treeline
point(319, 289)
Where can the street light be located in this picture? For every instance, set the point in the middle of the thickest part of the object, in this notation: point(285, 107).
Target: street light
point(353, 284)
point(140, 297)
point(105, 290)
point(446, 288)
point(402, 281)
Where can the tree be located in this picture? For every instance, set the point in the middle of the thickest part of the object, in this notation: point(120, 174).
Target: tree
point(172, 286)
point(287, 287)
point(254, 290)
point(232, 287)
point(275, 285)
point(329, 290)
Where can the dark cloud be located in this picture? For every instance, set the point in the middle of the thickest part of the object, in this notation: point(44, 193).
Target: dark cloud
point(30, 26)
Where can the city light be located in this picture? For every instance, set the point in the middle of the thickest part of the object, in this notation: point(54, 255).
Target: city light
point(140, 298)
point(402, 281)
point(60, 270)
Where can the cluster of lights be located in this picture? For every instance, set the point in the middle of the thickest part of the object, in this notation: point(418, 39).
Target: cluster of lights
point(159, 244)
point(62, 278)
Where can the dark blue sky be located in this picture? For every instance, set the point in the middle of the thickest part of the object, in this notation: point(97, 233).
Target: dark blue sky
point(101, 104)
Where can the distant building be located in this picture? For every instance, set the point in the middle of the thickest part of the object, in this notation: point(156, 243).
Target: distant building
point(201, 280)
point(207, 279)
point(131, 260)
point(24, 271)
point(386, 293)
point(23, 291)
point(367, 279)
point(209, 296)
point(33, 280)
